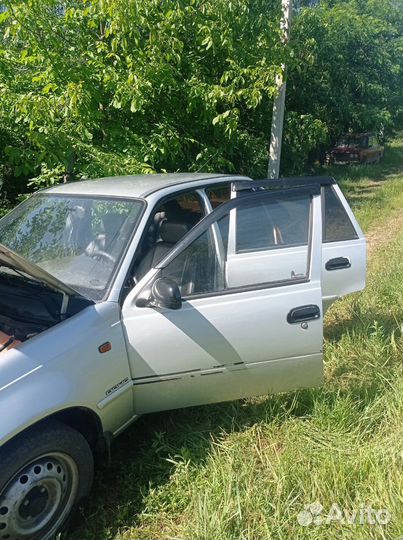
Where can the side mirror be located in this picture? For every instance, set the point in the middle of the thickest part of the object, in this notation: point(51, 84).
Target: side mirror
point(165, 293)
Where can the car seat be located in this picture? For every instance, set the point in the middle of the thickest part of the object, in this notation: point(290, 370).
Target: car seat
point(110, 228)
point(170, 233)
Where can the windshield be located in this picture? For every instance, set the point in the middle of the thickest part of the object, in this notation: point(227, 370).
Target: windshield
point(80, 241)
point(351, 141)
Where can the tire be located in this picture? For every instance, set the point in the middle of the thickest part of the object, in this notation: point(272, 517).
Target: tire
point(44, 474)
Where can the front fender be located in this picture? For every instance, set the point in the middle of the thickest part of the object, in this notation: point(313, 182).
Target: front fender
point(63, 368)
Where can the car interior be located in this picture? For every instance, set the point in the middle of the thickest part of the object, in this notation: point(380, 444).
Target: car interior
point(110, 227)
point(170, 222)
point(79, 235)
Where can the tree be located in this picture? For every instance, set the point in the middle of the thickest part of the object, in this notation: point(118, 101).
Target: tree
point(346, 73)
point(125, 87)
point(101, 87)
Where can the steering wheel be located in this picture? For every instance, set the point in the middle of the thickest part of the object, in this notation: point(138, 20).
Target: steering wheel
point(99, 253)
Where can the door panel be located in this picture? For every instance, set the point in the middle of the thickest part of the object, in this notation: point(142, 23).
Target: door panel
point(338, 283)
point(343, 239)
point(234, 341)
point(229, 384)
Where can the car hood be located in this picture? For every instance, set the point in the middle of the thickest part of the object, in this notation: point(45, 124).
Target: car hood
point(11, 260)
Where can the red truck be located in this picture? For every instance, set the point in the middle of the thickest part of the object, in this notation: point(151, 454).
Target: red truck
point(356, 148)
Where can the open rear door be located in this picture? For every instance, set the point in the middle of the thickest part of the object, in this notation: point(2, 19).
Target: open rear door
point(343, 242)
point(344, 247)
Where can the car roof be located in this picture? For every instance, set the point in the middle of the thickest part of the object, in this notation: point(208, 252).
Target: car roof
point(132, 186)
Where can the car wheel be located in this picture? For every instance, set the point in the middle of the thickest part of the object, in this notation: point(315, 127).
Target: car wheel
point(44, 474)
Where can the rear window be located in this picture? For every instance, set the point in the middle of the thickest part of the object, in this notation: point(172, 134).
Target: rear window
point(338, 226)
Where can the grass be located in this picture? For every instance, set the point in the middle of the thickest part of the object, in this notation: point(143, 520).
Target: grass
point(246, 469)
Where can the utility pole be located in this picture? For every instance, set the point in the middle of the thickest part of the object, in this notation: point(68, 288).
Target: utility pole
point(277, 121)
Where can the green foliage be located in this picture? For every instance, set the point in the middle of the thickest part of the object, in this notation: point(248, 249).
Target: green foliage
point(347, 67)
point(93, 88)
point(103, 87)
point(302, 134)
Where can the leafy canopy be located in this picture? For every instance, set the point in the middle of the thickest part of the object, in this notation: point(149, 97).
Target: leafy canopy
point(102, 87)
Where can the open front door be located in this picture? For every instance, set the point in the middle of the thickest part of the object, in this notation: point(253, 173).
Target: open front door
point(251, 316)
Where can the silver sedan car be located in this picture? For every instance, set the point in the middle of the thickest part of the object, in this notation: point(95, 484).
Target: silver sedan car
point(127, 295)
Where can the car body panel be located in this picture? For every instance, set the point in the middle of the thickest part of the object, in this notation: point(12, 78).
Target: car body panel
point(338, 283)
point(62, 368)
point(141, 186)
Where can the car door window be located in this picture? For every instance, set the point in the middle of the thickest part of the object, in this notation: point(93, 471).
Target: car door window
point(200, 268)
point(169, 222)
point(218, 195)
point(271, 241)
point(263, 241)
point(337, 224)
point(273, 224)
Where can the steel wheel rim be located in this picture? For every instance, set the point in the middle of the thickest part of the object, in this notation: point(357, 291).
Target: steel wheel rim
point(37, 499)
